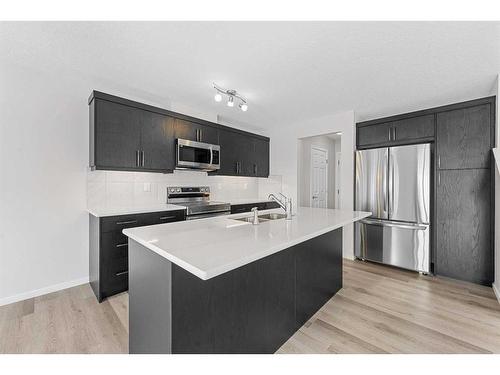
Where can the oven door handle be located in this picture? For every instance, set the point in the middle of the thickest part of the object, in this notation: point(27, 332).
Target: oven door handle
point(211, 155)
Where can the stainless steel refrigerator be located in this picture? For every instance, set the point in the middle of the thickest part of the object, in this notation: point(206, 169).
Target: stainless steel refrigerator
point(394, 184)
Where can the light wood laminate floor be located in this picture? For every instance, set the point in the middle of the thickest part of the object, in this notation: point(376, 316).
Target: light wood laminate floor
point(379, 310)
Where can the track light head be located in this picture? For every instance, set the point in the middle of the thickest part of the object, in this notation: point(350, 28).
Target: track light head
point(230, 101)
point(244, 107)
point(218, 97)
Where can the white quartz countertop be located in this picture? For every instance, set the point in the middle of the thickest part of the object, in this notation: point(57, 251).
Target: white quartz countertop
point(210, 247)
point(106, 211)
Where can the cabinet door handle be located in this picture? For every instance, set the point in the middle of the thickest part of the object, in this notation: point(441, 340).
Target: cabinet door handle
point(142, 157)
point(121, 273)
point(439, 161)
point(394, 134)
point(126, 222)
point(122, 244)
point(167, 217)
point(137, 157)
point(201, 135)
point(439, 178)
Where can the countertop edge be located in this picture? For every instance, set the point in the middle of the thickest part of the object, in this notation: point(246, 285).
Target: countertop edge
point(134, 211)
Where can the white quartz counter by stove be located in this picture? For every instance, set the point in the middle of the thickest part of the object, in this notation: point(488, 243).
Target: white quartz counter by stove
point(210, 247)
point(129, 210)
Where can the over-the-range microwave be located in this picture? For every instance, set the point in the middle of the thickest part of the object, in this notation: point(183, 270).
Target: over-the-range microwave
point(197, 155)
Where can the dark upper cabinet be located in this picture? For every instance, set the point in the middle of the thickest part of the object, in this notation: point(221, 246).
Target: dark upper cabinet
point(117, 136)
point(229, 152)
point(414, 128)
point(157, 142)
point(128, 138)
point(131, 136)
point(261, 162)
point(194, 131)
point(406, 130)
point(243, 154)
point(463, 225)
point(464, 138)
point(374, 134)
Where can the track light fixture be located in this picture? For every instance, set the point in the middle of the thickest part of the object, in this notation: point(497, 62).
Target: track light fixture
point(231, 94)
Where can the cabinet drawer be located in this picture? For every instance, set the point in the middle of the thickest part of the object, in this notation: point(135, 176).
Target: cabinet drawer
point(118, 223)
point(164, 217)
point(115, 275)
point(114, 245)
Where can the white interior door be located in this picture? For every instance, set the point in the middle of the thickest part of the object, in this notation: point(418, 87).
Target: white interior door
point(319, 175)
point(337, 179)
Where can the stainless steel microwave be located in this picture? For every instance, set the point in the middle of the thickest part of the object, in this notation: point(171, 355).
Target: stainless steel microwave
point(197, 155)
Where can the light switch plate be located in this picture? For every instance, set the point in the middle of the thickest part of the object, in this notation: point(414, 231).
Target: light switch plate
point(147, 186)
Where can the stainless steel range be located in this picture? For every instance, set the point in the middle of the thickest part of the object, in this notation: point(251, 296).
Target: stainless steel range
point(197, 201)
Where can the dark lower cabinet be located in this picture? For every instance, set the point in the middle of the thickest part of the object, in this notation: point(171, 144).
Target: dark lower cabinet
point(251, 309)
point(315, 281)
point(463, 227)
point(108, 250)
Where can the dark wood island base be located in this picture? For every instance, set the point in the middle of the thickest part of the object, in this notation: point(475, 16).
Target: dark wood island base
point(251, 309)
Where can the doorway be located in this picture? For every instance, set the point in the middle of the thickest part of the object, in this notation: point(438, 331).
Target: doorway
point(319, 171)
point(319, 177)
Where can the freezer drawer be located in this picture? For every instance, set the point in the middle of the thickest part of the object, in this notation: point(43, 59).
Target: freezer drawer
point(402, 245)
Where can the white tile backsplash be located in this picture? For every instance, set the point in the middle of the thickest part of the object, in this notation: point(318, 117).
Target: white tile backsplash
point(119, 189)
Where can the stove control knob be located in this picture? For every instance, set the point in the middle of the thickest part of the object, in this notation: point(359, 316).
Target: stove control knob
point(178, 190)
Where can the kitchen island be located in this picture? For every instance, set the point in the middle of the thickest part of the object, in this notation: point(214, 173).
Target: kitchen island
point(223, 285)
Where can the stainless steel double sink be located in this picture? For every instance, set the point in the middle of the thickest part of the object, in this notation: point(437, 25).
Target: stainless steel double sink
point(263, 217)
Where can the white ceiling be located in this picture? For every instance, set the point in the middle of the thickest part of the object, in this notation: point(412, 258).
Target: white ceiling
point(289, 71)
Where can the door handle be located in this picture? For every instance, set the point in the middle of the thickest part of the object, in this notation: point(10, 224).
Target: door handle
point(394, 134)
point(389, 134)
point(142, 154)
point(201, 135)
point(439, 161)
point(401, 225)
point(137, 157)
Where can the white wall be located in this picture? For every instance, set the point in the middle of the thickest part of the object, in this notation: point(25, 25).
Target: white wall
point(284, 159)
point(304, 165)
point(43, 179)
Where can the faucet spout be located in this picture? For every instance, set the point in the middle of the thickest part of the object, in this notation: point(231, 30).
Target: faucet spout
point(285, 203)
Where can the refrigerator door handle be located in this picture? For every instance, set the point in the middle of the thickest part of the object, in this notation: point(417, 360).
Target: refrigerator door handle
point(383, 223)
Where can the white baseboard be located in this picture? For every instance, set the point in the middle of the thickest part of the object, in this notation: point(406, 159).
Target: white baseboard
point(497, 292)
point(42, 291)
